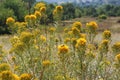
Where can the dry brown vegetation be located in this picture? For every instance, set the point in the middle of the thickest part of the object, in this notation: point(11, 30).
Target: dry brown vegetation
point(111, 23)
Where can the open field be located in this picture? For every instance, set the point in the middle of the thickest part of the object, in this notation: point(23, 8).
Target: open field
point(110, 23)
point(84, 48)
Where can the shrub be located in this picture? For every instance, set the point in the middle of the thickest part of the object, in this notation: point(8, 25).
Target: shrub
point(102, 16)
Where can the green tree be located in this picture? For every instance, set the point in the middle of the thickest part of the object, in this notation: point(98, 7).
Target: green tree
point(18, 7)
point(4, 14)
point(90, 11)
point(50, 8)
point(69, 11)
point(29, 4)
point(78, 12)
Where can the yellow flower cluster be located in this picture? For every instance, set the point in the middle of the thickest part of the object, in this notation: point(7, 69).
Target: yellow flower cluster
point(67, 40)
point(59, 8)
point(77, 25)
point(107, 34)
point(15, 77)
point(82, 35)
point(46, 63)
point(66, 30)
point(39, 5)
point(15, 40)
point(8, 75)
point(26, 37)
point(25, 76)
point(57, 12)
point(42, 9)
point(52, 29)
point(27, 18)
point(63, 49)
point(4, 67)
point(118, 57)
point(92, 26)
point(105, 42)
point(43, 38)
point(10, 21)
point(37, 14)
point(20, 26)
point(81, 42)
point(104, 46)
point(75, 31)
point(18, 47)
point(31, 17)
point(116, 47)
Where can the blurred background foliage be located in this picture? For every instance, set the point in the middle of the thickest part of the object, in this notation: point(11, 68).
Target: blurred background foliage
point(19, 8)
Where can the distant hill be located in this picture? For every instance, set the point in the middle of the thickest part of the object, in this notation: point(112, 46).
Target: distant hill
point(85, 2)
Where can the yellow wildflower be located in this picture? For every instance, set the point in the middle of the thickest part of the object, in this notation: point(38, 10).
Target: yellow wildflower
point(23, 23)
point(107, 34)
point(104, 46)
point(52, 29)
point(26, 37)
point(59, 8)
point(39, 5)
point(4, 67)
point(63, 48)
point(43, 38)
point(33, 17)
point(27, 18)
point(92, 26)
point(67, 40)
point(42, 9)
point(107, 62)
point(36, 47)
point(54, 12)
point(81, 42)
point(116, 47)
point(82, 35)
point(75, 31)
point(18, 47)
point(117, 57)
point(15, 77)
point(57, 12)
point(59, 77)
point(37, 14)
point(77, 25)
point(6, 75)
point(70, 32)
point(46, 63)
point(14, 40)
point(10, 21)
point(25, 76)
point(65, 30)
point(105, 42)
